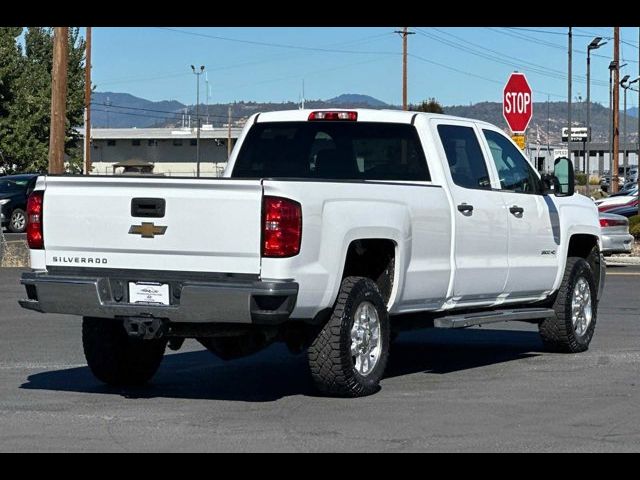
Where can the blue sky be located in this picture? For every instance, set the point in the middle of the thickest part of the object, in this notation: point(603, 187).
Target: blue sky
point(455, 65)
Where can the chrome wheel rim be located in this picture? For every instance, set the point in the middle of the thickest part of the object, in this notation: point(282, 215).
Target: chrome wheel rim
point(18, 221)
point(581, 312)
point(366, 342)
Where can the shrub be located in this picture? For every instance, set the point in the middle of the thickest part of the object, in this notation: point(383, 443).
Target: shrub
point(581, 178)
point(635, 230)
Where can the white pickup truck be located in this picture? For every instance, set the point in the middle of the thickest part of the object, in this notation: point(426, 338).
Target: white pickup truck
point(331, 231)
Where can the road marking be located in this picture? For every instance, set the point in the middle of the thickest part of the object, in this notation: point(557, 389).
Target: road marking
point(637, 274)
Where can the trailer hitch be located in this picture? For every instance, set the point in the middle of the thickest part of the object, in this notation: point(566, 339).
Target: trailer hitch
point(145, 328)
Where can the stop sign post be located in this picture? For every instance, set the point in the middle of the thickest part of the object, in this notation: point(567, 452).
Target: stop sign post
point(517, 103)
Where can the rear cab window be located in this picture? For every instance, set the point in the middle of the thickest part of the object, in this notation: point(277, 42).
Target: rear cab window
point(332, 150)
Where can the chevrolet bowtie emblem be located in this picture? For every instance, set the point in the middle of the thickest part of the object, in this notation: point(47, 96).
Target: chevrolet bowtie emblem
point(147, 230)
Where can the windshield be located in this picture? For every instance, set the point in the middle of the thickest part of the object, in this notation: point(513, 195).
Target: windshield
point(332, 150)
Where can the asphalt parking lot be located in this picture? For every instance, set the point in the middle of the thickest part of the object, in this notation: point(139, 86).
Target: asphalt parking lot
point(487, 389)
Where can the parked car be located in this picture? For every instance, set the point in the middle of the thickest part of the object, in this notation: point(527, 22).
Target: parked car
point(14, 190)
point(624, 211)
point(626, 199)
point(615, 234)
point(331, 231)
point(604, 180)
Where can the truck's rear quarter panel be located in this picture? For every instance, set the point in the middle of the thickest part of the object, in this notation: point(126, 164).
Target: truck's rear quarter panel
point(415, 216)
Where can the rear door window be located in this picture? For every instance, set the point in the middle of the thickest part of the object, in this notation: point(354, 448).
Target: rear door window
point(464, 156)
point(332, 150)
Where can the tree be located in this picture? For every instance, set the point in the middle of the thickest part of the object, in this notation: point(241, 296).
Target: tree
point(431, 105)
point(24, 127)
point(10, 58)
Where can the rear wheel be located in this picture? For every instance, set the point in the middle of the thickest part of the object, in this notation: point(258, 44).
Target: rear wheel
point(116, 358)
point(18, 221)
point(576, 309)
point(349, 355)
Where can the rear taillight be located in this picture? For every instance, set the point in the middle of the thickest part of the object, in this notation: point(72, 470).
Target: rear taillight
point(281, 227)
point(35, 237)
point(323, 115)
point(609, 222)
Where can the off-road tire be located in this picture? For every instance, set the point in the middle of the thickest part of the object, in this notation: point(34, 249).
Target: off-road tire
point(117, 359)
point(329, 355)
point(558, 334)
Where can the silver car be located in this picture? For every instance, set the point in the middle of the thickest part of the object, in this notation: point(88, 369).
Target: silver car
point(615, 234)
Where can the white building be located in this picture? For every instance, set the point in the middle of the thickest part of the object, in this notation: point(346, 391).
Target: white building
point(171, 150)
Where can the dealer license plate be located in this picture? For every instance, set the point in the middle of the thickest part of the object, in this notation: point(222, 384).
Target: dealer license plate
point(150, 293)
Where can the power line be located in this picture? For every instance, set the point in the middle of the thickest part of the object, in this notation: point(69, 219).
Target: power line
point(534, 68)
point(474, 75)
point(153, 110)
point(551, 32)
point(522, 62)
point(162, 76)
point(529, 38)
point(276, 45)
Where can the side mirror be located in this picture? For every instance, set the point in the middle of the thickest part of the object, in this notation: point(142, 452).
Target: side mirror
point(565, 177)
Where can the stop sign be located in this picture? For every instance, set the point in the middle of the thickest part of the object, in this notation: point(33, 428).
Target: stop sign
point(517, 104)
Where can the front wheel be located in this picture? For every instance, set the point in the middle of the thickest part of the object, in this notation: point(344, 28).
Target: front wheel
point(116, 358)
point(571, 330)
point(349, 355)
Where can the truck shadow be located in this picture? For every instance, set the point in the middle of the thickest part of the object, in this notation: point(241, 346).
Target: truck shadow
point(275, 373)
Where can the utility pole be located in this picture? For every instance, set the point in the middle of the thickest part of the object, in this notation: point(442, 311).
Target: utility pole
point(206, 81)
point(58, 99)
point(404, 33)
point(87, 105)
point(569, 132)
point(548, 124)
point(625, 86)
point(616, 109)
point(197, 74)
point(595, 44)
point(229, 132)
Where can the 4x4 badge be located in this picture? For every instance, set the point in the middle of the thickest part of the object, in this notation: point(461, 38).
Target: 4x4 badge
point(147, 230)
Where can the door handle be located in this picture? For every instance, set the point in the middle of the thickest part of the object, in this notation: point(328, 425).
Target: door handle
point(465, 208)
point(516, 210)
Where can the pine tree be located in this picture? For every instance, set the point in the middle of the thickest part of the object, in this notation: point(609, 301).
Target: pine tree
point(430, 105)
point(25, 139)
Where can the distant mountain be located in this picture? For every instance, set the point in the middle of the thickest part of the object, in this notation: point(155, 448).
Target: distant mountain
point(356, 99)
point(122, 110)
point(553, 119)
point(632, 112)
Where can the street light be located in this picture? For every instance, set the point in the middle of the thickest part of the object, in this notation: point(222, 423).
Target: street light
point(198, 115)
point(625, 86)
point(595, 44)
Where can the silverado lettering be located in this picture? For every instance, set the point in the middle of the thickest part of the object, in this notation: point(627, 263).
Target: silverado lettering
point(80, 260)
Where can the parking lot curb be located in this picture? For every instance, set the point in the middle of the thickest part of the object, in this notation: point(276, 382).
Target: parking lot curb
point(14, 253)
point(618, 261)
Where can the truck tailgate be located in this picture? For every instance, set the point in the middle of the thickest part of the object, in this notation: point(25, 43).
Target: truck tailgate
point(212, 225)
